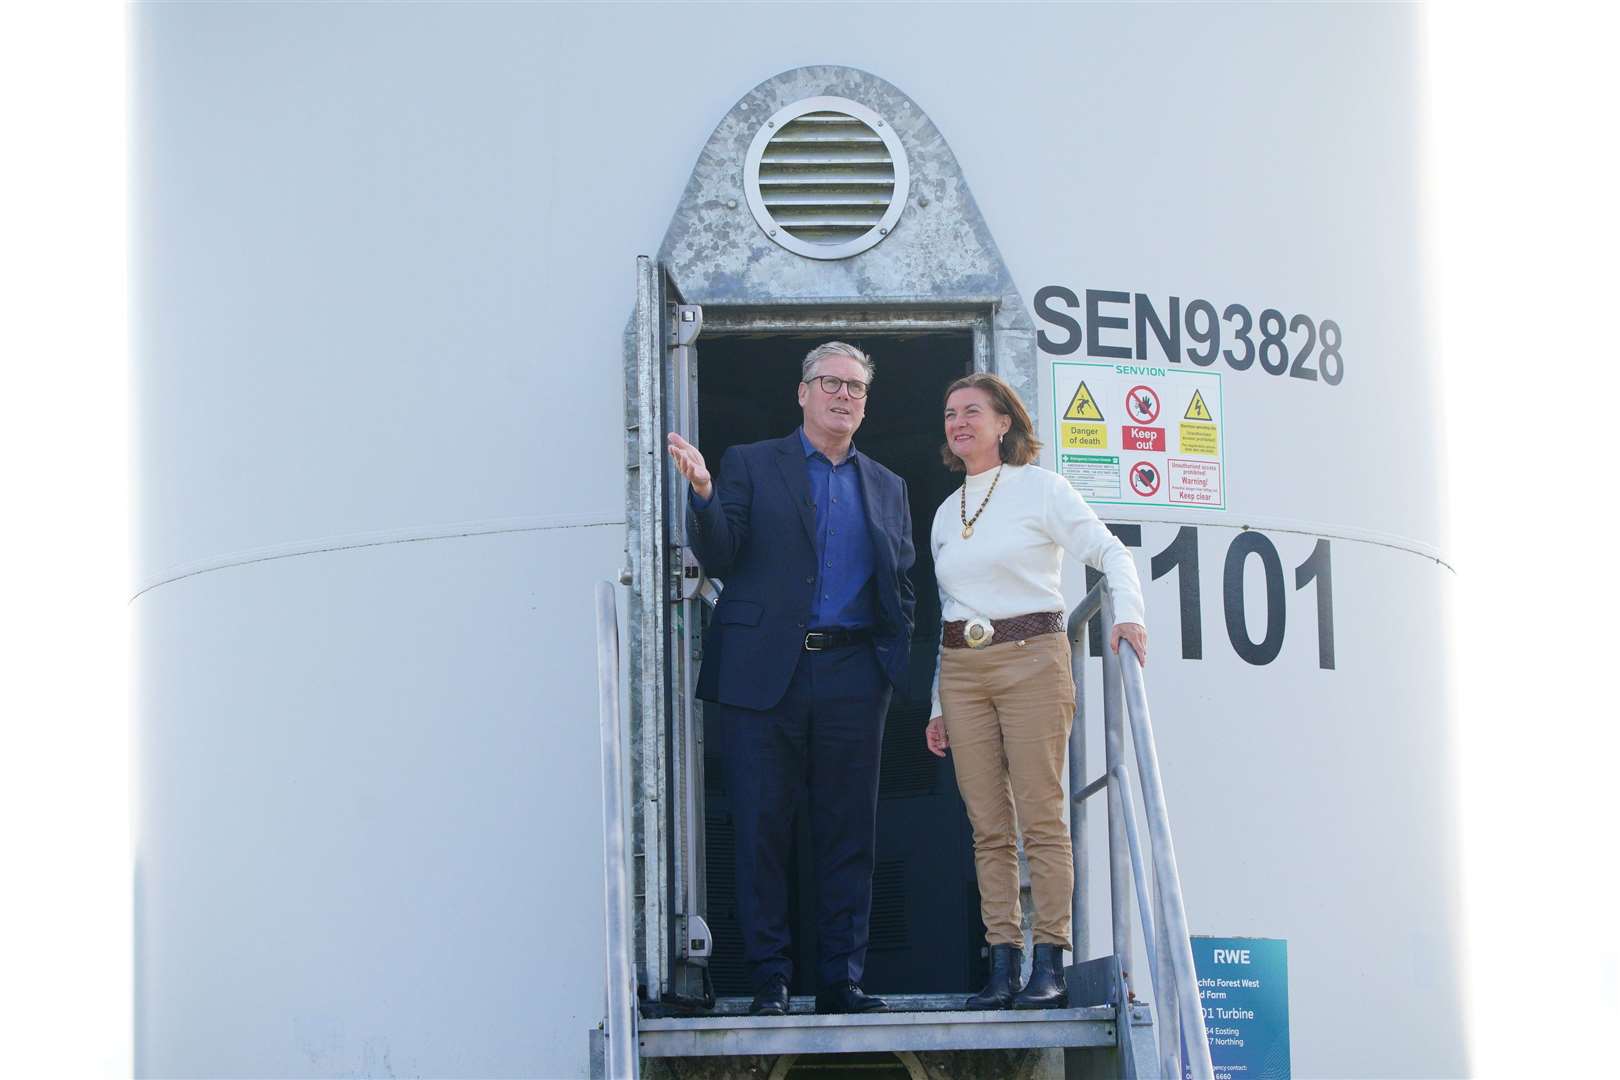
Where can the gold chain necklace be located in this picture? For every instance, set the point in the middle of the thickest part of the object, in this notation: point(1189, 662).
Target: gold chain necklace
point(967, 522)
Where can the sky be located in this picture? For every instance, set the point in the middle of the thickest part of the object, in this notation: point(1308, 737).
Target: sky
point(64, 567)
point(1521, 240)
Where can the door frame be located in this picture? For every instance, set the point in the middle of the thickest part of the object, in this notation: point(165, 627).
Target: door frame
point(666, 774)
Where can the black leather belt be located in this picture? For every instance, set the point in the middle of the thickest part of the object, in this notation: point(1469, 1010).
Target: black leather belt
point(819, 640)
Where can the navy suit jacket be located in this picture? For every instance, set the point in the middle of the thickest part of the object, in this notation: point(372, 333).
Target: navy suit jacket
point(757, 535)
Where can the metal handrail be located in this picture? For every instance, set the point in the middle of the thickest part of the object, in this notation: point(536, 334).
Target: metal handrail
point(1168, 944)
point(622, 1049)
point(1164, 917)
point(1120, 776)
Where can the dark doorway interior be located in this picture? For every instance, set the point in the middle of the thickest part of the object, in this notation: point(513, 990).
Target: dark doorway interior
point(926, 933)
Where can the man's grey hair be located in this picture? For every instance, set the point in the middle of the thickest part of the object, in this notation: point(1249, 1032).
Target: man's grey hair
point(836, 348)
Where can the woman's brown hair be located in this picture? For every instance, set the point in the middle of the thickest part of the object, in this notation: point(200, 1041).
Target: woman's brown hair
point(1019, 446)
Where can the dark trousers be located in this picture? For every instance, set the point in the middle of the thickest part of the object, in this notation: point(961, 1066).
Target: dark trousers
point(824, 739)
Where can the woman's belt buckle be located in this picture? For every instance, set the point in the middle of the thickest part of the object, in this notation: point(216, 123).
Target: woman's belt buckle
point(978, 632)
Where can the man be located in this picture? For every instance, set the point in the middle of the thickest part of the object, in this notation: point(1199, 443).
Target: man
point(812, 634)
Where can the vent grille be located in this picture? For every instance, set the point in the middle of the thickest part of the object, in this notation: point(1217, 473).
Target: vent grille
point(726, 964)
point(890, 926)
point(908, 768)
point(826, 178)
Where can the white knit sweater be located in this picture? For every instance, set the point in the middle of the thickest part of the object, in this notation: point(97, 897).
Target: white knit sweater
point(1013, 563)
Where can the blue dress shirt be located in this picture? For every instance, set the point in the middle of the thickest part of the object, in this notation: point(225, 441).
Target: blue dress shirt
point(846, 594)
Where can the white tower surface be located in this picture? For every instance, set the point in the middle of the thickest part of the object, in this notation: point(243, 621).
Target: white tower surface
point(384, 260)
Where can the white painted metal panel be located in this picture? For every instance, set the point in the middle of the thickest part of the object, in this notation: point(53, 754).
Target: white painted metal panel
point(368, 832)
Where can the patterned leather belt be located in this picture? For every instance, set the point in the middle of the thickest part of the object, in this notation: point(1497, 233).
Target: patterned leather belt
point(1015, 628)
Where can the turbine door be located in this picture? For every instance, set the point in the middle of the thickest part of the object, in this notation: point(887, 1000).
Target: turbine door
point(669, 590)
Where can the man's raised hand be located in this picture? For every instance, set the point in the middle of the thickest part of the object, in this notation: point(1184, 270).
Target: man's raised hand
point(690, 463)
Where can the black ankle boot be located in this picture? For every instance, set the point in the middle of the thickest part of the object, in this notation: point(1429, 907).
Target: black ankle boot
point(1006, 969)
point(1046, 989)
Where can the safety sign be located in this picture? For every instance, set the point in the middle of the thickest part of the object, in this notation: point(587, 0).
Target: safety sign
point(1160, 425)
point(1083, 428)
point(1082, 406)
point(1143, 404)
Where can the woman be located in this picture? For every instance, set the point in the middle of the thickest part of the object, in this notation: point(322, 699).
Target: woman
point(1003, 695)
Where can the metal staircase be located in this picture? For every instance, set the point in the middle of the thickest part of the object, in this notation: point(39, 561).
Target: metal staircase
point(1109, 1031)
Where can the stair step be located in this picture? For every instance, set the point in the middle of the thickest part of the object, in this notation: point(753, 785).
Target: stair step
point(918, 1030)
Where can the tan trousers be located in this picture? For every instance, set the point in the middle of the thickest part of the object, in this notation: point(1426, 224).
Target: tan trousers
point(1007, 710)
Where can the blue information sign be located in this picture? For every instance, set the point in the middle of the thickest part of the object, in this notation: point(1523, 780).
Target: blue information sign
point(1244, 986)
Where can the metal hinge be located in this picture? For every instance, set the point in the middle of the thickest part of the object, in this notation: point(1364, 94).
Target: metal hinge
point(686, 577)
point(697, 943)
point(688, 324)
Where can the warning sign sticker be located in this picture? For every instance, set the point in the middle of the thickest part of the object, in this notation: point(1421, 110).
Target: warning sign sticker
point(1145, 479)
point(1199, 439)
point(1143, 438)
point(1145, 413)
point(1198, 433)
point(1082, 406)
point(1085, 436)
point(1195, 483)
point(1142, 402)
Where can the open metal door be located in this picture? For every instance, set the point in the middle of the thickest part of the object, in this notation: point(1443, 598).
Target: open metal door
point(665, 639)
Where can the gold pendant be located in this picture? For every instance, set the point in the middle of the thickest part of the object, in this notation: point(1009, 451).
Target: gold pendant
point(967, 531)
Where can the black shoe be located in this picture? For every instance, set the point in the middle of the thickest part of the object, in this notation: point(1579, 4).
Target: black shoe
point(1006, 971)
point(848, 997)
point(1047, 988)
point(772, 999)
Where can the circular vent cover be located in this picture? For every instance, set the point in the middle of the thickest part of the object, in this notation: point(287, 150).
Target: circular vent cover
point(826, 178)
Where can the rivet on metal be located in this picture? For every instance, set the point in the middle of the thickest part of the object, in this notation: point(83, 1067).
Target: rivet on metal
point(884, 232)
point(773, 232)
point(731, 204)
point(770, 123)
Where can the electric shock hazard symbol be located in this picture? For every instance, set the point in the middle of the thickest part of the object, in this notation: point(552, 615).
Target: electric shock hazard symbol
point(1083, 436)
point(1082, 406)
point(1143, 473)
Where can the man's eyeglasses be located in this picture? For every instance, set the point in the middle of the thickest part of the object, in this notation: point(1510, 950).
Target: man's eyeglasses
point(832, 384)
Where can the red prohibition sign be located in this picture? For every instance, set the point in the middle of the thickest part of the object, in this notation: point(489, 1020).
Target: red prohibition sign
point(1145, 479)
point(1142, 403)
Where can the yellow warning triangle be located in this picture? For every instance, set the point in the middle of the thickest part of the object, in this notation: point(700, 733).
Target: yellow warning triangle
point(1197, 410)
point(1082, 406)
